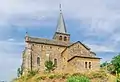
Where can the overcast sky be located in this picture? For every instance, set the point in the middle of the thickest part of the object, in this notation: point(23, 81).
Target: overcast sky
point(93, 22)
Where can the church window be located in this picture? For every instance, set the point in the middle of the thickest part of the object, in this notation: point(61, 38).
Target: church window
point(60, 38)
point(55, 62)
point(85, 64)
point(33, 44)
point(89, 65)
point(50, 47)
point(65, 38)
point(38, 61)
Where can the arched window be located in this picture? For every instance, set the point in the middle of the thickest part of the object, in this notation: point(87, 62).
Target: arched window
point(38, 61)
point(55, 62)
point(60, 38)
point(65, 38)
point(85, 64)
point(89, 65)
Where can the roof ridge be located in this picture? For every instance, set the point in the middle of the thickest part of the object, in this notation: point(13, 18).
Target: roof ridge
point(47, 41)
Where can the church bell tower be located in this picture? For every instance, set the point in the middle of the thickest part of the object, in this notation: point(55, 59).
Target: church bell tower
point(61, 31)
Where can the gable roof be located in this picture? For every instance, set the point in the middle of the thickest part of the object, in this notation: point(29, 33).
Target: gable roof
point(76, 43)
point(80, 43)
point(83, 57)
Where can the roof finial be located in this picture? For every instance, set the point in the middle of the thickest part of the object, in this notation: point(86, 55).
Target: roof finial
point(26, 33)
point(60, 8)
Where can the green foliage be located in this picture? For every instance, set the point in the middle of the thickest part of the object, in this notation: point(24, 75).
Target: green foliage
point(78, 79)
point(40, 78)
point(111, 69)
point(65, 75)
point(43, 77)
point(19, 72)
point(78, 74)
point(104, 64)
point(55, 76)
point(92, 75)
point(52, 76)
point(49, 66)
point(116, 63)
point(99, 74)
point(31, 74)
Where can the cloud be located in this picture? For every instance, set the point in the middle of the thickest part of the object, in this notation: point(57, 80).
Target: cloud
point(97, 22)
point(11, 39)
point(101, 15)
point(101, 48)
point(10, 58)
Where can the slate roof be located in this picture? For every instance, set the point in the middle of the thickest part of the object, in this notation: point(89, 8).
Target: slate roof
point(83, 57)
point(46, 41)
point(61, 28)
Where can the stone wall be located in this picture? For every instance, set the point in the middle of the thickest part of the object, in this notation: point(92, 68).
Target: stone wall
point(78, 50)
point(78, 65)
point(42, 50)
point(45, 52)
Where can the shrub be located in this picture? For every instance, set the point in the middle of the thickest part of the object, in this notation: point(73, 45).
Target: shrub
point(66, 75)
point(52, 76)
point(78, 74)
point(38, 78)
point(55, 76)
point(31, 74)
point(49, 66)
point(78, 79)
point(99, 74)
point(43, 77)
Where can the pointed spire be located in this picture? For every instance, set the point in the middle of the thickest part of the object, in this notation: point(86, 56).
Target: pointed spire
point(61, 28)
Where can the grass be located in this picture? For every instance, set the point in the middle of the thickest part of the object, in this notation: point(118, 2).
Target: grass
point(78, 79)
point(93, 76)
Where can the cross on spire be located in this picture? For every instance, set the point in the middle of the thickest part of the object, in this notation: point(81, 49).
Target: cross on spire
point(60, 8)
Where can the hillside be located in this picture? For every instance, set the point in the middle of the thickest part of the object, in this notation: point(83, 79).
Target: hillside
point(99, 76)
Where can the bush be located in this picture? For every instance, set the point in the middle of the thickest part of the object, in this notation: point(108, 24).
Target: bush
point(55, 76)
point(99, 74)
point(78, 74)
point(49, 66)
point(78, 79)
point(43, 77)
point(31, 74)
point(38, 78)
point(66, 75)
point(52, 76)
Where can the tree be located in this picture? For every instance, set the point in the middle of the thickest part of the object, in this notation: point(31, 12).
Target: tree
point(104, 64)
point(19, 71)
point(116, 63)
point(49, 65)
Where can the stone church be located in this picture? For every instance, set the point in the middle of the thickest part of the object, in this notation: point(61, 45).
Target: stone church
point(68, 57)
